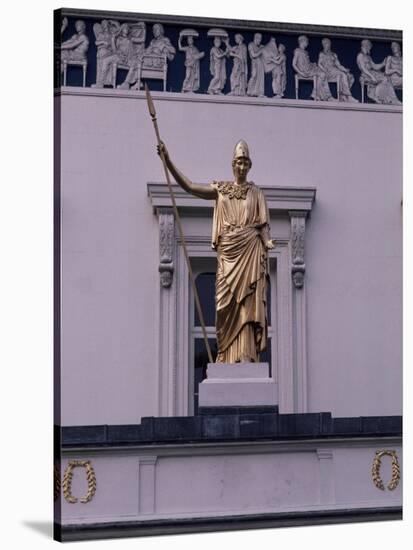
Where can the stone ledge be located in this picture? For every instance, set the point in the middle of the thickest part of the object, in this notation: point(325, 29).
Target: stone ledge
point(226, 99)
point(229, 427)
point(84, 531)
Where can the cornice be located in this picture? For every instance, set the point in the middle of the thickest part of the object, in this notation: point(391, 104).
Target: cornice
point(278, 198)
point(264, 26)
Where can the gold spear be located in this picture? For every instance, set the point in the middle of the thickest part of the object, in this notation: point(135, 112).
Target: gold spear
point(152, 112)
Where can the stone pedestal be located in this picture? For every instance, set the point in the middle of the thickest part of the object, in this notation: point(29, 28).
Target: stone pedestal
point(238, 385)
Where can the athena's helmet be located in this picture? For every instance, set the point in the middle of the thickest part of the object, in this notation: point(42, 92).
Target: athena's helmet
point(241, 150)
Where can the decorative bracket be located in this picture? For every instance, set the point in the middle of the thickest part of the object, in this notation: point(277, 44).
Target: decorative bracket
point(166, 245)
point(297, 218)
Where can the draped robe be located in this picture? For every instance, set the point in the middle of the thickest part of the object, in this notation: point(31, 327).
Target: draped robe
point(240, 228)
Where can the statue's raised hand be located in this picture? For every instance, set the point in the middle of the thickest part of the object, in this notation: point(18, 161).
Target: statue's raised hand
point(162, 150)
point(270, 244)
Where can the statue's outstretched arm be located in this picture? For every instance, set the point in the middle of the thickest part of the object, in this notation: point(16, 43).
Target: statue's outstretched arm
point(202, 191)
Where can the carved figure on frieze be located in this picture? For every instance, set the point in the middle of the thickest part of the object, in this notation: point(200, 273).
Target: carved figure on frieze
point(75, 49)
point(380, 88)
point(329, 63)
point(256, 82)
point(307, 70)
point(65, 23)
point(241, 237)
point(275, 63)
point(104, 32)
point(239, 73)
point(394, 66)
point(137, 47)
point(160, 44)
point(192, 60)
point(121, 46)
point(152, 62)
point(217, 59)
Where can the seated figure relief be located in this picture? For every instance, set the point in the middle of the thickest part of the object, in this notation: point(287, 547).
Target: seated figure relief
point(393, 67)
point(159, 52)
point(329, 63)
point(75, 49)
point(380, 88)
point(306, 69)
point(122, 54)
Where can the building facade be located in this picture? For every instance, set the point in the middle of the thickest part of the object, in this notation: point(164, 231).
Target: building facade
point(326, 145)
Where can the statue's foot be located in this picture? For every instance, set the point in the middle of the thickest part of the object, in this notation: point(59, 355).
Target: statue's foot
point(351, 99)
point(97, 85)
point(331, 98)
point(123, 86)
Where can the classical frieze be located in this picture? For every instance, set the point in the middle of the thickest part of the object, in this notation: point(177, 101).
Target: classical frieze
point(122, 53)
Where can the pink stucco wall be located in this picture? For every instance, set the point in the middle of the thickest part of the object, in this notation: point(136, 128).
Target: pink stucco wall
point(110, 281)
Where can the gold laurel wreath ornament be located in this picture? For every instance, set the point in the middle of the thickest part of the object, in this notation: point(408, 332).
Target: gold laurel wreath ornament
point(395, 470)
point(67, 481)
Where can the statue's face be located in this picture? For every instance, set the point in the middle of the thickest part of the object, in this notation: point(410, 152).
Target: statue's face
point(157, 31)
point(366, 46)
point(238, 39)
point(80, 27)
point(257, 39)
point(241, 167)
point(281, 48)
point(217, 42)
point(395, 48)
point(190, 40)
point(326, 45)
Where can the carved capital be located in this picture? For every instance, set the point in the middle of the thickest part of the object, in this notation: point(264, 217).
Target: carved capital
point(297, 218)
point(166, 243)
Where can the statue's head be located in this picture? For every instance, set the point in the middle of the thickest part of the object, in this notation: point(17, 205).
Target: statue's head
point(124, 29)
point(157, 30)
point(281, 48)
point(395, 48)
point(217, 41)
point(326, 43)
point(303, 41)
point(366, 46)
point(241, 161)
point(239, 39)
point(80, 26)
point(257, 38)
point(190, 40)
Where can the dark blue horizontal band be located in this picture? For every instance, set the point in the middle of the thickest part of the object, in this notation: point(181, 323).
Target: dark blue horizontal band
point(230, 427)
